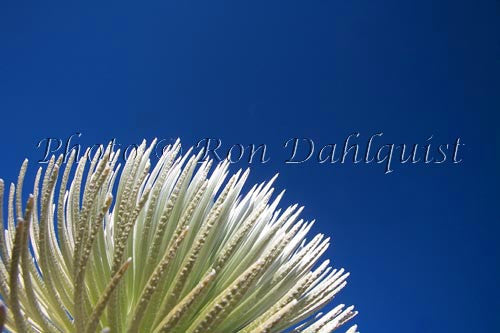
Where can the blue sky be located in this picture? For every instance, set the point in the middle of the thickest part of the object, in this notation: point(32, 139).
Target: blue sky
point(421, 242)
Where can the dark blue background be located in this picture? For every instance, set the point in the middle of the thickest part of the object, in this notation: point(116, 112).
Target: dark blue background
point(421, 243)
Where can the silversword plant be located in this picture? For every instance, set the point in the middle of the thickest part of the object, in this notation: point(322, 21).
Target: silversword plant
point(170, 248)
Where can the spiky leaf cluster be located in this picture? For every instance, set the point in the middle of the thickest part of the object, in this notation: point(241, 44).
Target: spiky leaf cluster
point(174, 247)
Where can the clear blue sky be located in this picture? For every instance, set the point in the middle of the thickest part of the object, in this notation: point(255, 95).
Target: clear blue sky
point(421, 242)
